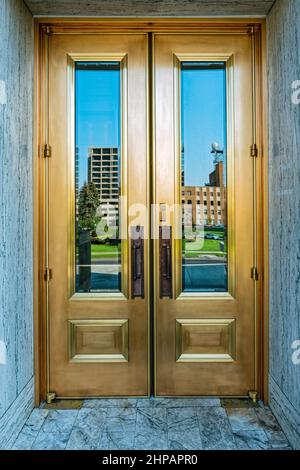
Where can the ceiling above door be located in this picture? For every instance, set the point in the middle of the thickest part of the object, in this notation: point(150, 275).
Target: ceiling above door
point(146, 8)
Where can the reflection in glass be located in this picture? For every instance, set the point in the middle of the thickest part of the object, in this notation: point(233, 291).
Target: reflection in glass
point(203, 177)
point(97, 176)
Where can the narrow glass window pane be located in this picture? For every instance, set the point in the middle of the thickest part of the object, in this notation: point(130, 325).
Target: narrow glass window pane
point(97, 176)
point(203, 176)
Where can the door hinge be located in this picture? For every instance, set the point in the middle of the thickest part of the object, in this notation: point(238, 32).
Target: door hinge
point(253, 395)
point(254, 151)
point(50, 397)
point(251, 29)
point(48, 30)
point(254, 273)
point(48, 274)
point(47, 151)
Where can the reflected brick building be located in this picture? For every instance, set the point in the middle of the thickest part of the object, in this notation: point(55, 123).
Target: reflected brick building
point(208, 202)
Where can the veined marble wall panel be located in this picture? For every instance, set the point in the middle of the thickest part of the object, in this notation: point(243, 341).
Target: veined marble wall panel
point(16, 208)
point(283, 27)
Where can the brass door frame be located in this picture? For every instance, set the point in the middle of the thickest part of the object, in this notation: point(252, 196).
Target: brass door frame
point(214, 26)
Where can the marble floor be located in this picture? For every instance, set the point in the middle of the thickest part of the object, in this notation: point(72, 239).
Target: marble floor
point(153, 424)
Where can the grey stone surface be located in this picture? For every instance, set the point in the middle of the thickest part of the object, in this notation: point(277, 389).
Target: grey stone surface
point(30, 430)
point(56, 430)
point(60, 421)
point(119, 427)
point(146, 8)
point(215, 430)
point(283, 39)
point(288, 417)
point(110, 402)
point(183, 429)
point(116, 440)
point(16, 214)
point(243, 419)
point(121, 421)
point(267, 419)
point(119, 430)
point(151, 429)
point(277, 440)
point(251, 440)
point(178, 402)
point(256, 428)
point(87, 429)
point(13, 420)
point(148, 403)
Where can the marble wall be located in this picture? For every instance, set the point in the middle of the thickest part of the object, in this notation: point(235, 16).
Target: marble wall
point(16, 214)
point(283, 27)
point(167, 8)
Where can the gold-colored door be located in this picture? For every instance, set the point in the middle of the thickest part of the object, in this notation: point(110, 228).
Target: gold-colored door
point(97, 187)
point(204, 190)
point(97, 176)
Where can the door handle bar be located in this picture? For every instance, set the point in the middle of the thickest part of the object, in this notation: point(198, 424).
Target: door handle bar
point(165, 261)
point(137, 262)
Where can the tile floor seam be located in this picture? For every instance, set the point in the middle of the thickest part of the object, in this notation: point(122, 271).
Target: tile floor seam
point(66, 444)
point(48, 418)
point(101, 431)
point(44, 417)
point(134, 435)
point(71, 431)
point(267, 437)
point(199, 430)
point(73, 428)
point(168, 441)
point(31, 447)
point(14, 442)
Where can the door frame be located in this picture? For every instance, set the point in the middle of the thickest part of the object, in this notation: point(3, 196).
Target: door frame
point(46, 26)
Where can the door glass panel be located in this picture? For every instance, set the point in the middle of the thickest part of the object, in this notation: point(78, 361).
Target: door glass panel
point(97, 176)
point(203, 177)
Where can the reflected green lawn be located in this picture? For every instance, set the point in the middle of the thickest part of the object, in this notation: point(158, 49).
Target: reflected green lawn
point(190, 249)
point(105, 251)
point(201, 247)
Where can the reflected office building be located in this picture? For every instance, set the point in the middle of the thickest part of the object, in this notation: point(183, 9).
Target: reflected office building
point(103, 171)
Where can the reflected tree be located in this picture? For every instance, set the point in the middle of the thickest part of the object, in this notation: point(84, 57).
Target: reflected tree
point(87, 222)
point(87, 208)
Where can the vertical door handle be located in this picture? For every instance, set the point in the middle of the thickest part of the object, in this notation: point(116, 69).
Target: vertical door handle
point(165, 261)
point(134, 268)
point(137, 262)
point(168, 262)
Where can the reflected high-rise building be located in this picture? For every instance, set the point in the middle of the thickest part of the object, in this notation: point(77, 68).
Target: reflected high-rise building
point(103, 171)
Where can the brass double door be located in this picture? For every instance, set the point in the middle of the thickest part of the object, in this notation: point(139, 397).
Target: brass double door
point(150, 215)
